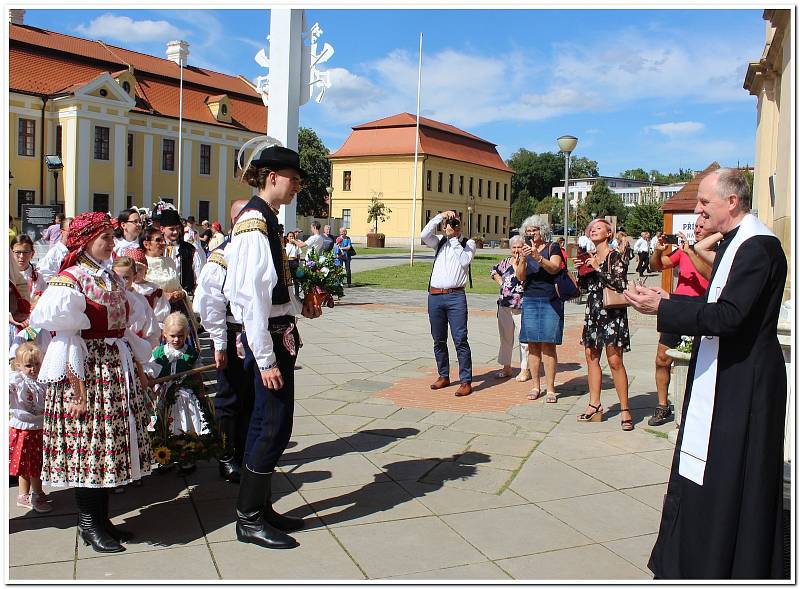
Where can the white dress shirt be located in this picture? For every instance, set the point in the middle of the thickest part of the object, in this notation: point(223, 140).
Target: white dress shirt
point(51, 262)
point(450, 266)
point(249, 285)
point(316, 242)
point(198, 259)
point(641, 245)
point(210, 302)
point(653, 243)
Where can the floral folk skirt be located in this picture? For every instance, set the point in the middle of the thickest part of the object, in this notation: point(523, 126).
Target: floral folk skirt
point(24, 452)
point(96, 450)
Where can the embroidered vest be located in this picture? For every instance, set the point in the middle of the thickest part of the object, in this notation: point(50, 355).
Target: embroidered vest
point(218, 257)
point(269, 228)
point(185, 361)
point(186, 253)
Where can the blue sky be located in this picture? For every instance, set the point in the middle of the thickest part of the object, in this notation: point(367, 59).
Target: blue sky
point(639, 88)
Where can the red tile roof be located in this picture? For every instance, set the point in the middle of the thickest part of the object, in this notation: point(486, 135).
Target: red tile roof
point(395, 135)
point(45, 62)
point(686, 198)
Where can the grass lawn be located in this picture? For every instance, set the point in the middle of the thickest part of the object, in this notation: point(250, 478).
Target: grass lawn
point(416, 278)
point(360, 250)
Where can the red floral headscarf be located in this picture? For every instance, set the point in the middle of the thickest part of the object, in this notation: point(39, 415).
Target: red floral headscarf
point(83, 229)
point(136, 254)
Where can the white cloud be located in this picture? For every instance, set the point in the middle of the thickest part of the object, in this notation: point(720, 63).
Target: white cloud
point(123, 28)
point(677, 129)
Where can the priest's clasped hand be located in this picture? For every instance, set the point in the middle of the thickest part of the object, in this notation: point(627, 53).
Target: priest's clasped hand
point(645, 299)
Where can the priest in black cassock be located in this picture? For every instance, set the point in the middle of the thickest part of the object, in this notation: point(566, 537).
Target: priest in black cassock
point(722, 514)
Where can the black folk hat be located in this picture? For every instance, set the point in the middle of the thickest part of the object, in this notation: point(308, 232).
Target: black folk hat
point(277, 158)
point(169, 218)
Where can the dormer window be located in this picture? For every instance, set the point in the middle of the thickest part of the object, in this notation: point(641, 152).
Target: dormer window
point(126, 86)
point(224, 109)
point(103, 92)
point(220, 107)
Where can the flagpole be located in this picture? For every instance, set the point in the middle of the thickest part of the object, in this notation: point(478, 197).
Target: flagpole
point(180, 134)
point(416, 157)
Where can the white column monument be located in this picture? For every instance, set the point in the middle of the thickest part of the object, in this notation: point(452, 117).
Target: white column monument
point(292, 79)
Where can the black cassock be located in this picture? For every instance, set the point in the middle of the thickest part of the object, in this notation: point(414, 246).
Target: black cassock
point(730, 527)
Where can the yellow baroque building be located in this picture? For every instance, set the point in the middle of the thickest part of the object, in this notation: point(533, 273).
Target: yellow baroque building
point(456, 171)
point(112, 115)
point(771, 80)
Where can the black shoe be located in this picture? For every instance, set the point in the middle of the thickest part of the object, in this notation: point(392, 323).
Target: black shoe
point(90, 521)
point(661, 415)
point(229, 470)
point(282, 522)
point(115, 532)
point(251, 527)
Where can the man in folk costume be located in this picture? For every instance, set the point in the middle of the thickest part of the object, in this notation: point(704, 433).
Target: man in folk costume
point(233, 401)
point(259, 288)
point(188, 258)
point(722, 512)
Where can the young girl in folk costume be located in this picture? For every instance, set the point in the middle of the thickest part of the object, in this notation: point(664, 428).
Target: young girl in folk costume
point(142, 319)
point(184, 406)
point(95, 420)
point(22, 250)
point(26, 408)
point(156, 297)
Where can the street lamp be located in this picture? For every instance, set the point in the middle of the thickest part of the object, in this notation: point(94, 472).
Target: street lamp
point(566, 144)
point(329, 190)
point(469, 222)
point(54, 164)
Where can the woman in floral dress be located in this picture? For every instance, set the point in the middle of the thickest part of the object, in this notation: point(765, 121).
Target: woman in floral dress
point(95, 421)
point(509, 312)
point(605, 328)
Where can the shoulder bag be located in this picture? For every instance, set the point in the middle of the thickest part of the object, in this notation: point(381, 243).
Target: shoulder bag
point(613, 299)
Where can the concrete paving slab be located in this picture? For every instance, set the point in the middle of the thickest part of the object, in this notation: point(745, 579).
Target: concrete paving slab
point(443, 418)
point(392, 423)
point(635, 550)
point(424, 448)
point(479, 478)
point(27, 537)
point(173, 564)
point(342, 424)
point(584, 562)
point(499, 461)
point(411, 414)
point(662, 457)
point(514, 531)
point(367, 410)
point(443, 500)
point(344, 394)
point(371, 503)
point(407, 546)
point(54, 571)
point(576, 447)
point(336, 471)
point(445, 434)
point(484, 426)
point(368, 385)
point(319, 556)
point(640, 441)
point(304, 426)
point(319, 406)
point(502, 445)
point(543, 478)
point(652, 495)
point(623, 471)
point(314, 446)
point(605, 516)
point(369, 443)
point(401, 468)
point(481, 571)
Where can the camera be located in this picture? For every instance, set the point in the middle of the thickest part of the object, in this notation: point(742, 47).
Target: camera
point(529, 240)
point(670, 239)
point(453, 223)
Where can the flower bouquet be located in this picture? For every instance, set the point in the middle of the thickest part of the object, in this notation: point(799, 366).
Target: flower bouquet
point(686, 344)
point(321, 277)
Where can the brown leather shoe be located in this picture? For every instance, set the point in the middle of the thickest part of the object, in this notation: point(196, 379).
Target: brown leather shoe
point(440, 383)
point(464, 390)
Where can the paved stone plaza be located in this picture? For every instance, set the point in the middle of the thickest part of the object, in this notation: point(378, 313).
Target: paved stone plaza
point(400, 482)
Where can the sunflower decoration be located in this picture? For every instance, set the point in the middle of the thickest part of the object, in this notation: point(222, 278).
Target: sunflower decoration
point(162, 455)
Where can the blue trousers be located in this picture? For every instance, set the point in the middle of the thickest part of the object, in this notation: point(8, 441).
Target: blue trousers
point(450, 309)
point(273, 410)
point(234, 397)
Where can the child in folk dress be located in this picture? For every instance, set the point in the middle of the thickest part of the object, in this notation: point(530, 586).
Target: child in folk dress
point(26, 405)
point(185, 407)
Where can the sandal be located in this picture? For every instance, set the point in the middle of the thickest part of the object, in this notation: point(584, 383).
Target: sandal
point(523, 375)
point(534, 394)
point(551, 397)
point(596, 415)
point(627, 424)
point(502, 374)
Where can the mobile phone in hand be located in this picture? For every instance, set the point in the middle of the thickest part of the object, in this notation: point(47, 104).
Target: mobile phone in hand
point(670, 239)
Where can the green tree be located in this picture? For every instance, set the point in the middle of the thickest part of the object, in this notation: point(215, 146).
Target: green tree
point(377, 210)
point(522, 208)
point(552, 206)
point(311, 200)
point(644, 217)
point(536, 173)
point(602, 202)
point(635, 174)
point(582, 167)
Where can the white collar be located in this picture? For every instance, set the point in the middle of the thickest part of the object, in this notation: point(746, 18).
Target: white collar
point(172, 354)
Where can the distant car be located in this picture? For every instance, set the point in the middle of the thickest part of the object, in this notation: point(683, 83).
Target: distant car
point(558, 230)
point(512, 233)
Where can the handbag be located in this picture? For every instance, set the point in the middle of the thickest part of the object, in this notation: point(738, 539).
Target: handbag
point(613, 299)
point(352, 250)
point(566, 286)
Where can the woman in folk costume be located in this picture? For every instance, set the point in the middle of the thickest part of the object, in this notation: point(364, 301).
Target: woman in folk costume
point(127, 230)
point(95, 421)
point(162, 271)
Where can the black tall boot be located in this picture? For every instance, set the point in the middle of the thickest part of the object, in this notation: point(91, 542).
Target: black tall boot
point(114, 531)
point(90, 521)
point(251, 527)
point(282, 522)
point(228, 469)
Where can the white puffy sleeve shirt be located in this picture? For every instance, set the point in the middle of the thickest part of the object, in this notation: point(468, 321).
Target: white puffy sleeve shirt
point(251, 278)
point(210, 302)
